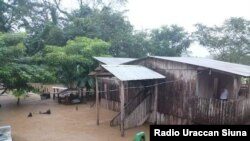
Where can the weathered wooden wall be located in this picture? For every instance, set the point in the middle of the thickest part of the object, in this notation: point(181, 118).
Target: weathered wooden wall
point(175, 90)
point(109, 92)
point(188, 81)
point(139, 115)
point(137, 110)
point(176, 94)
point(215, 111)
point(207, 84)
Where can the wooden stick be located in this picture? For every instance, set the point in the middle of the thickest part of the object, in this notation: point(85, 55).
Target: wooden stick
point(97, 101)
point(122, 107)
point(155, 102)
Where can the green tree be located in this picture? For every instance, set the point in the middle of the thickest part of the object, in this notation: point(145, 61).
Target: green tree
point(41, 20)
point(134, 45)
point(73, 62)
point(114, 4)
point(11, 13)
point(16, 69)
point(229, 42)
point(46, 34)
point(16, 14)
point(105, 24)
point(169, 41)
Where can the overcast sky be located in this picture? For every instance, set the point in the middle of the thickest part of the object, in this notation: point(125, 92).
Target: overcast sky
point(155, 13)
point(148, 14)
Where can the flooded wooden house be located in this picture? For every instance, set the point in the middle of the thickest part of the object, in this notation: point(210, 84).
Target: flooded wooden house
point(186, 91)
point(109, 97)
point(127, 89)
point(191, 93)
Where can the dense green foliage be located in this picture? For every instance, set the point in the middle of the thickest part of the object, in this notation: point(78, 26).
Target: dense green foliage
point(229, 42)
point(73, 61)
point(16, 68)
point(169, 41)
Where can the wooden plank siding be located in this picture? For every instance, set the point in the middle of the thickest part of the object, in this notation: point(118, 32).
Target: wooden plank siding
point(212, 83)
point(214, 111)
point(137, 111)
point(188, 95)
point(110, 92)
point(180, 83)
point(140, 114)
point(176, 104)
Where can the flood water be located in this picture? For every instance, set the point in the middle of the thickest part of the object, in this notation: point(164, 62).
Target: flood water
point(65, 123)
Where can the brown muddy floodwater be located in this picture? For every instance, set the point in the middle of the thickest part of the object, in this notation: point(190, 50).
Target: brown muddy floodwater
point(64, 124)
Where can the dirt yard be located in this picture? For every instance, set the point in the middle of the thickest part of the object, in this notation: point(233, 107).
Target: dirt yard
point(65, 123)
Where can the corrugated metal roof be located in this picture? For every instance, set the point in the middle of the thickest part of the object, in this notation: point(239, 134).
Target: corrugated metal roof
point(233, 68)
point(132, 72)
point(113, 60)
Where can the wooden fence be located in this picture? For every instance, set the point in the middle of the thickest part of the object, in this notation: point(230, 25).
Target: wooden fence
point(215, 111)
point(110, 105)
point(131, 106)
point(140, 114)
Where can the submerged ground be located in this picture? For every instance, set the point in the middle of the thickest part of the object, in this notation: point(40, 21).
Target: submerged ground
point(66, 123)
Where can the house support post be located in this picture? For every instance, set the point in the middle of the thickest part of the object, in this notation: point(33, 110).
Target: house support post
point(155, 102)
point(122, 107)
point(97, 100)
point(235, 88)
point(106, 94)
point(215, 90)
point(197, 85)
point(248, 95)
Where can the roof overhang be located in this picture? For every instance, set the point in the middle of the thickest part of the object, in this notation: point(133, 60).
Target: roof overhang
point(126, 72)
point(113, 60)
point(220, 66)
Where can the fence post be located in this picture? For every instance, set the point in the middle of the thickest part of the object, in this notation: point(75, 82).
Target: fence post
point(155, 102)
point(122, 107)
point(97, 101)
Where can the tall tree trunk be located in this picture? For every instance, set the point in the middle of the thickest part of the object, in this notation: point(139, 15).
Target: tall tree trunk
point(18, 101)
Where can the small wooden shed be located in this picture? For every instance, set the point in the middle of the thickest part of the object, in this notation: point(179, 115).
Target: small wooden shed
point(133, 110)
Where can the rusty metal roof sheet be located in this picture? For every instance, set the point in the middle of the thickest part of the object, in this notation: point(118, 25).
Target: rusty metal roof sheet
point(132, 72)
point(233, 68)
point(113, 60)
